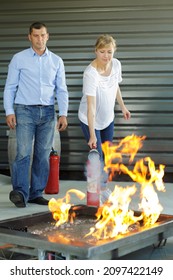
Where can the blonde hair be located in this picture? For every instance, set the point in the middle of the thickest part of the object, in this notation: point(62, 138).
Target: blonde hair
point(104, 41)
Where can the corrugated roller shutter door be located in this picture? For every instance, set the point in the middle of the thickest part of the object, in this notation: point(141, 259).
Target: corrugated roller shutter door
point(145, 48)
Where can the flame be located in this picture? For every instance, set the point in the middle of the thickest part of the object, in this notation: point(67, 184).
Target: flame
point(115, 217)
point(60, 207)
point(127, 146)
point(148, 176)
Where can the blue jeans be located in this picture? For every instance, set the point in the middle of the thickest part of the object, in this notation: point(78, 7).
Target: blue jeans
point(33, 123)
point(102, 136)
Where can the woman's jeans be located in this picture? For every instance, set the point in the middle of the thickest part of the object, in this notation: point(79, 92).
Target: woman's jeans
point(34, 130)
point(102, 136)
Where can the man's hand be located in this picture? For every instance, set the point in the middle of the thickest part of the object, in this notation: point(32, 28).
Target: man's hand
point(62, 123)
point(11, 121)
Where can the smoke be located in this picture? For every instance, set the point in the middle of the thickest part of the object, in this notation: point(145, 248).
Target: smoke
point(93, 169)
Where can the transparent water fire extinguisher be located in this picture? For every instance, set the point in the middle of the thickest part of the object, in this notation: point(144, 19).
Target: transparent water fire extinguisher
point(93, 178)
point(52, 186)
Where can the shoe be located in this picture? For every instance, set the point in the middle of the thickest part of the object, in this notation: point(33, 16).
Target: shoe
point(39, 200)
point(17, 198)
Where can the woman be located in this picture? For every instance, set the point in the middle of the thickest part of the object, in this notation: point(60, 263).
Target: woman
point(101, 89)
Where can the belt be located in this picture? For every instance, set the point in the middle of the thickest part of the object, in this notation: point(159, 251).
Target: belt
point(36, 105)
point(39, 105)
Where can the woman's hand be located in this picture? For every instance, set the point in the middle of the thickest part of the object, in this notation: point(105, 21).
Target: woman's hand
point(126, 113)
point(92, 143)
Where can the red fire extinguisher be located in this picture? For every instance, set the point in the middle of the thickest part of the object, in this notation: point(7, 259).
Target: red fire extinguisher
point(52, 186)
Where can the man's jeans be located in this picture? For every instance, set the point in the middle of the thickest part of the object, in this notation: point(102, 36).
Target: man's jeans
point(34, 123)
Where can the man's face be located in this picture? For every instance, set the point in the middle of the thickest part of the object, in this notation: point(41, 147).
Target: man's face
point(39, 38)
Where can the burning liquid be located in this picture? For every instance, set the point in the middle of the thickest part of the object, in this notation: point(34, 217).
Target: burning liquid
point(114, 216)
point(60, 207)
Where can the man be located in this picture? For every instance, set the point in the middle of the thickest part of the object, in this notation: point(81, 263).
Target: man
point(35, 77)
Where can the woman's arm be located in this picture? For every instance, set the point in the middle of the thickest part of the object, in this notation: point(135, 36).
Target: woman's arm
point(91, 110)
point(124, 110)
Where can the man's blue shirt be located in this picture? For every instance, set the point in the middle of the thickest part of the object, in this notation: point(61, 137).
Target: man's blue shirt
point(34, 79)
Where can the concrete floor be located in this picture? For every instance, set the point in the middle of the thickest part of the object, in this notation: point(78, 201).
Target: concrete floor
point(8, 211)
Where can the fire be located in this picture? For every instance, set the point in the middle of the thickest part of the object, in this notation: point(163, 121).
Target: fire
point(60, 207)
point(115, 217)
point(128, 146)
point(148, 176)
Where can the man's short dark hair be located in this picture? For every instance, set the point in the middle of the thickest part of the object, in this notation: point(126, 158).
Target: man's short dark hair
point(36, 25)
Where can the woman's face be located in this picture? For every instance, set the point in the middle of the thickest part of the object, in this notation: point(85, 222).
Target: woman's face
point(104, 55)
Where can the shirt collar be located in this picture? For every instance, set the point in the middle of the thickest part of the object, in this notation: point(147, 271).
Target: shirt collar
point(34, 53)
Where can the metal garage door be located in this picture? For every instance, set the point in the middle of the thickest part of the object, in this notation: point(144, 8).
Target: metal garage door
point(144, 34)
